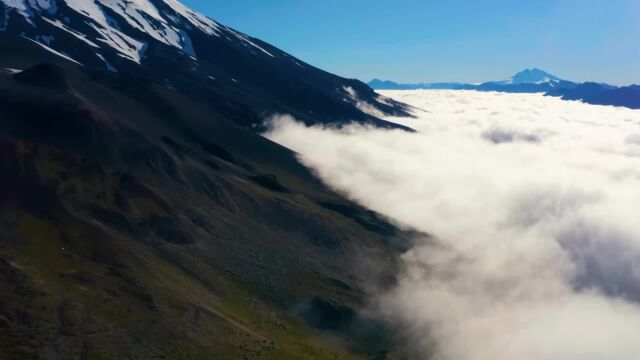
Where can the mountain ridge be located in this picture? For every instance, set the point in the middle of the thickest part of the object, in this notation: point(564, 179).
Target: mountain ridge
point(534, 76)
point(535, 81)
point(528, 80)
point(174, 44)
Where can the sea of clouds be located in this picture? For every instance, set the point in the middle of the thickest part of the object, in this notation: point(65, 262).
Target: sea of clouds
point(534, 207)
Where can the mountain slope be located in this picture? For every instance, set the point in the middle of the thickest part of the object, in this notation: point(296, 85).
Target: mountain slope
point(533, 76)
point(165, 41)
point(142, 216)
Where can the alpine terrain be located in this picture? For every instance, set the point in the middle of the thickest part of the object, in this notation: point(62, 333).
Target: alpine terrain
point(142, 216)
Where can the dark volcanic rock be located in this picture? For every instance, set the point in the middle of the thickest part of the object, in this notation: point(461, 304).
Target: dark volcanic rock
point(45, 75)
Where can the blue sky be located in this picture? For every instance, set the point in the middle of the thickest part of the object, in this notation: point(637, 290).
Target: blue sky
point(447, 40)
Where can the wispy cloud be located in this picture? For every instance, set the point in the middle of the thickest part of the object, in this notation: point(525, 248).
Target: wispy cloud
point(532, 201)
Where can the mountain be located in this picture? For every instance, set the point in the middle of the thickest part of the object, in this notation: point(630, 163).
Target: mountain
point(162, 39)
point(378, 84)
point(534, 76)
point(582, 91)
point(602, 94)
point(390, 85)
point(536, 81)
point(527, 81)
point(628, 96)
point(143, 216)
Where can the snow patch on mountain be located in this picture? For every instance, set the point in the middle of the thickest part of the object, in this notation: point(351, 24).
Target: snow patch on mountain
point(533, 76)
point(362, 105)
point(167, 21)
point(48, 5)
point(140, 14)
point(60, 25)
point(127, 46)
point(200, 21)
point(110, 67)
point(145, 17)
point(12, 71)
point(248, 42)
point(53, 51)
point(45, 39)
point(19, 5)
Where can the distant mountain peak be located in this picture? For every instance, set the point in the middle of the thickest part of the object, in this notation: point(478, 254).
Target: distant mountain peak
point(532, 80)
point(533, 76)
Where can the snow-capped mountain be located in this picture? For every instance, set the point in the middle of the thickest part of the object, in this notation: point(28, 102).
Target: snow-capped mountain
point(532, 80)
point(526, 81)
point(533, 76)
point(121, 26)
point(536, 81)
point(173, 44)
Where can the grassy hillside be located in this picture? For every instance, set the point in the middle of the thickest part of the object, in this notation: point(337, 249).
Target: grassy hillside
point(137, 223)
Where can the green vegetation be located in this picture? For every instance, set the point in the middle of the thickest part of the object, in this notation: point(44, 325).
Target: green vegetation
point(125, 235)
point(77, 286)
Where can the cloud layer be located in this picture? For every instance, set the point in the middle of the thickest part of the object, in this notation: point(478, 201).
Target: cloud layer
point(532, 201)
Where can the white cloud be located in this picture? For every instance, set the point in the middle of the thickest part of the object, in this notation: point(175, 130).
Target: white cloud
point(362, 105)
point(532, 201)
